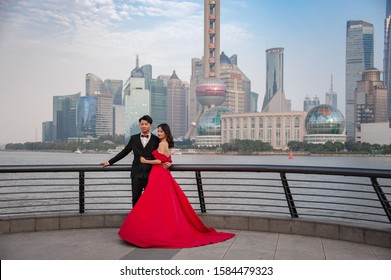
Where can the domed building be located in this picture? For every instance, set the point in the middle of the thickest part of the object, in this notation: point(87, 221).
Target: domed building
point(209, 126)
point(324, 123)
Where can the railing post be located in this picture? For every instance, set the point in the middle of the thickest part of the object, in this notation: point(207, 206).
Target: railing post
point(382, 197)
point(81, 191)
point(288, 196)
point(200, 191)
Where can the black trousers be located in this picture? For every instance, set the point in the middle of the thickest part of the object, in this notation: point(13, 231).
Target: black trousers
point(138, 185)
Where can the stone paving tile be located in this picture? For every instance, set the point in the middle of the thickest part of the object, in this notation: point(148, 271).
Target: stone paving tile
point(382, 253)
point(345, 250)
point(210, 252)
point(299, 243)
point(253, 246)
point(299, 255)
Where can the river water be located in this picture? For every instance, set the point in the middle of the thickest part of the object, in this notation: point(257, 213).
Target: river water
point(39, 158)
point(257, 193)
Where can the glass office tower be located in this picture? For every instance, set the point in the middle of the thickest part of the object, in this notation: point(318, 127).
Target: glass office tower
point(64, 116)
point(359, 57)
point(158, 101)
point(86, 116)
point(274, 100)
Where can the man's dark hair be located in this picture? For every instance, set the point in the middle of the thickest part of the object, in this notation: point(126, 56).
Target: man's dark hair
point(146, 118)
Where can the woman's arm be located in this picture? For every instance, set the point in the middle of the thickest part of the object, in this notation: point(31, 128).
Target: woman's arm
point(150, 161)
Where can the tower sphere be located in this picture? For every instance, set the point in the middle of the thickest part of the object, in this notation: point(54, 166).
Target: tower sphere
point(324, 119)
point(211, 91)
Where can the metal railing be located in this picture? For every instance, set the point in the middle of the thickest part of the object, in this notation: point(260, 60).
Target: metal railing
point(333, 194)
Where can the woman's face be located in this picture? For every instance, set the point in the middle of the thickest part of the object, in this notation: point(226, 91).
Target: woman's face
point(160, 133)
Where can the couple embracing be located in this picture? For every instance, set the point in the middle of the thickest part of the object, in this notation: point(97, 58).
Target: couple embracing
point(162, 216)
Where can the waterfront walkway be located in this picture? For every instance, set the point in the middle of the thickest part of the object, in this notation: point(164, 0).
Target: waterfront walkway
point(104, 244)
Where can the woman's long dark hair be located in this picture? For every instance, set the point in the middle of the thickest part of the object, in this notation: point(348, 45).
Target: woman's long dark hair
point(170, 139)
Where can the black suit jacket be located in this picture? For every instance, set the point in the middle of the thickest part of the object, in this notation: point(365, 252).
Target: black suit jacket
point(139, 170)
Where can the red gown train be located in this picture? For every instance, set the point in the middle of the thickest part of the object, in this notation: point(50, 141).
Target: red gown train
point(163, 216)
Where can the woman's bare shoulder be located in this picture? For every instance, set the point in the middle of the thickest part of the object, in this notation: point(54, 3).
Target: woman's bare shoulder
point(164, 149)
point(163, 144)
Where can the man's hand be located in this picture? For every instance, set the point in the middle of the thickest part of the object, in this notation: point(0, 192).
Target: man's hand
point(105, 164)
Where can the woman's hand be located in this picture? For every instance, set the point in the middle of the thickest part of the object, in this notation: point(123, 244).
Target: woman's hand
point(143, 160)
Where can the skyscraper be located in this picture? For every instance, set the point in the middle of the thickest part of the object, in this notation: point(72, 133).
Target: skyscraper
point(310, 103)
point(64, 116)
point(177, 106)
point(158, 101)
point(94, 85)
point(118, 120)
point(359, 57)
point(370, 99)
point(237, 83)
point(331, 95)
point(86, 116)
point(387, 56)
point(274, 100)
point(136, 100)
point(104, 110)
point(47, 131)
point(104, 115)
point(253, 102)
point(194, 105)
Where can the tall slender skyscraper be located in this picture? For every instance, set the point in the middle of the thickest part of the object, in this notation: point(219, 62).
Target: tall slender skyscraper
point(176, 106)
point(359, 57)
point(274, 100)
point(136, 100)
point(331, 95)
point(387, 56)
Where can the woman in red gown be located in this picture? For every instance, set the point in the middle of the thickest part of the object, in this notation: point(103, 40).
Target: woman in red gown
point(163, 217)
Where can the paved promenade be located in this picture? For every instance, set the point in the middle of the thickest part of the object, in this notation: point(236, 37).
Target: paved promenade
point(104, 244)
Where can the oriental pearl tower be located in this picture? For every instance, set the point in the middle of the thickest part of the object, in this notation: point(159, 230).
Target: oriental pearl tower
point(210, 91)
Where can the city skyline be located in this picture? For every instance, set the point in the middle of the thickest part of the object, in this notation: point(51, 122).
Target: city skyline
point(46, 48)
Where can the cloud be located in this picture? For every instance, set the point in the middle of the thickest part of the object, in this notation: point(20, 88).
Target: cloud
point(101, 27)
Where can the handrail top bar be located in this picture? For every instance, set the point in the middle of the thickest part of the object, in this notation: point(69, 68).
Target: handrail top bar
point(343, 171)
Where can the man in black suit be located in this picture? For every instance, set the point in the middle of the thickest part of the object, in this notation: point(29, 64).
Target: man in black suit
point(142, 144)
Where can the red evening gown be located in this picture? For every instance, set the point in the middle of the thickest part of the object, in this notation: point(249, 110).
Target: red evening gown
point(163, 216)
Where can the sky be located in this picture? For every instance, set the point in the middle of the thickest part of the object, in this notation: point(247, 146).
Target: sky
point(47, 47)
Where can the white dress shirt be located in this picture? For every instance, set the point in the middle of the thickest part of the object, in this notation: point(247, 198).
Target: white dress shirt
point(144, 140)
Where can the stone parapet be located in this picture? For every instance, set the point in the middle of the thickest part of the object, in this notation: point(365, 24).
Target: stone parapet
point(347, 232)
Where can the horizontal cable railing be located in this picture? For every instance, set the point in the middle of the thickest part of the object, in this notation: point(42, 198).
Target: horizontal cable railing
point(332, 194)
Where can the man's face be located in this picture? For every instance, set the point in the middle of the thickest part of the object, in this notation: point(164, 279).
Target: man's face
point(145, 127)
